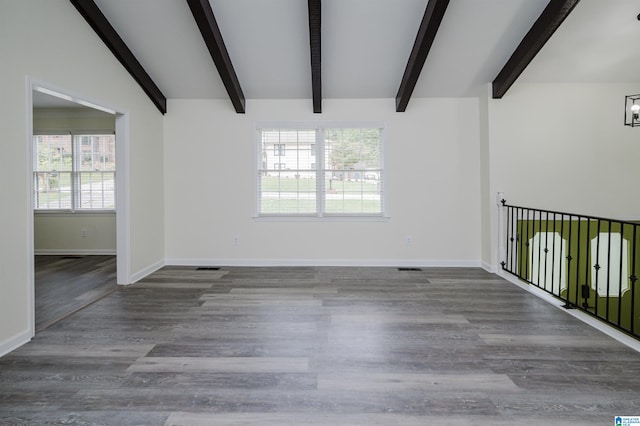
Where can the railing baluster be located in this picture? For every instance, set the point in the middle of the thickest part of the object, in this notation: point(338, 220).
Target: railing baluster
point(539, 246)
point(546, 246)
point(620, 275)
point(560, 258)
point(569, 259)
point(578, 263)
point(530, 242)
point(525, 251)
point(596, 266)
point(608, 267)
point(633, 278)
point(519, 241)
point(553, 253)
point(587, 270)
point(509, 237)
point(514, 237)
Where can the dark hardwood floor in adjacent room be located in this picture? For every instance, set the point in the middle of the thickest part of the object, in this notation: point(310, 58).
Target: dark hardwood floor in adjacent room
point(64, 284)
point(334, 346)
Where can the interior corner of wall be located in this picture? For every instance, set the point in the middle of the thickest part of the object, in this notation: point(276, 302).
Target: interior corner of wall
point(14, 342)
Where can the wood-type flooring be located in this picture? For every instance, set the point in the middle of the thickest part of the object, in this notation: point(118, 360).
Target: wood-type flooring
point(322, 346)
point(64, 284)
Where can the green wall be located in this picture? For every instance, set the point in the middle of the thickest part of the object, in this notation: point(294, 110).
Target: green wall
point(579, 262)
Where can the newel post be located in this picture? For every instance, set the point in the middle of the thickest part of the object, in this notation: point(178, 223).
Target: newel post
point(500, 202)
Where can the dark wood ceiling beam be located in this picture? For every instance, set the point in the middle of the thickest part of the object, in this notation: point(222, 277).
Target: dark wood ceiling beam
point(315, 13)
point(206, 20)
point(96, 19)
point(426, 34)
point(541, 31)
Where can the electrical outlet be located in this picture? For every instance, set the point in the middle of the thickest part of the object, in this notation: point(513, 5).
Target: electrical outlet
point(236, 241)
point(408, 240)
point(84, 233)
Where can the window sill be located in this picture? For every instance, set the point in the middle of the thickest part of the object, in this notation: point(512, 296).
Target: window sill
point(282, 218)
point(73, 212)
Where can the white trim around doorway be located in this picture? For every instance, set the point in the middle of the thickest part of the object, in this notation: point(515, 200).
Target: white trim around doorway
point(123, 241)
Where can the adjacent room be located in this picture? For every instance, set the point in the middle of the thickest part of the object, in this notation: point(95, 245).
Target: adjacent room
point(319, 212)
point(74, 217)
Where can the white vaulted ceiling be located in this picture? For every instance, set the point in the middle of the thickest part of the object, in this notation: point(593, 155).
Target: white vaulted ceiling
point(366, 45)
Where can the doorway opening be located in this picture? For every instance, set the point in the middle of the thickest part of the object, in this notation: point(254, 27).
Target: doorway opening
point(79, 203)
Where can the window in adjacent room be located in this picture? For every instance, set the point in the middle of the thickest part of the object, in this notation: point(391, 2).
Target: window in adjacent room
point(74, 172)
point(330, 171)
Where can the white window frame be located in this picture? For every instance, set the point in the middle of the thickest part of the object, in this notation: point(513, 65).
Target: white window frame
point(319, 155)
point(75, 172)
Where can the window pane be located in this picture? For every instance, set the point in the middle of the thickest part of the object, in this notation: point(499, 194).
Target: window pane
point(96, 178)
point(52, 153)
point(361, 197)
point(52, 190)
point(97, 190)
point(287, 175)
point(353, 171)
point(97, 152)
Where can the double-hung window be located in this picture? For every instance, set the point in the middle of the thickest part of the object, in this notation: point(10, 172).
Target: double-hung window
point(320, 170)
point(74, 172)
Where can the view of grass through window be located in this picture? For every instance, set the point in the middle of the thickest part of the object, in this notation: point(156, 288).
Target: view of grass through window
point(330, 171)
point(74, 172)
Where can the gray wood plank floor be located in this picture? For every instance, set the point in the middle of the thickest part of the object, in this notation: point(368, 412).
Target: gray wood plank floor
point(338, 346)
point(64, 284)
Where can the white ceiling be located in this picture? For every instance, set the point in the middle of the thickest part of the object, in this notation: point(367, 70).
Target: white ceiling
point(366, 44)
point(43, 100)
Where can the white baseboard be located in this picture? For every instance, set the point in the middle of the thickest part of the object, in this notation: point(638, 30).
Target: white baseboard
point(15, 342)
point(74, 252)
point(576, 313)
point(324, 262)
point(488, 267)
point(146, 271)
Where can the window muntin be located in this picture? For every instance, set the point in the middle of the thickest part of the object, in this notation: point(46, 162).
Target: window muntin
point(348, 181)
point(279, 149)
point(74, 172)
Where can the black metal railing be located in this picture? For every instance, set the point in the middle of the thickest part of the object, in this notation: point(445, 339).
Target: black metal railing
point(590, 263)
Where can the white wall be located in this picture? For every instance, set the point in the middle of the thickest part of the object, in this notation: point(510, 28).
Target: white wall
point(564, 147)
point(60, 233)
point(432, 166)
point(50, 42)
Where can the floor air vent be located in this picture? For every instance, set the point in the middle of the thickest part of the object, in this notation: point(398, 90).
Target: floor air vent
point(409, 269)
point(207, 268)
